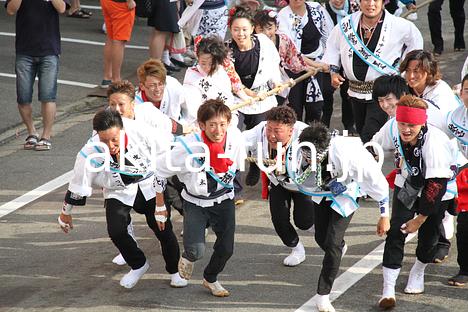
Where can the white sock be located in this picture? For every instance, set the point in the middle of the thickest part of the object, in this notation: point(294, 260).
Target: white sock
point(389, 280)
point(324, 304)
point(177, 280)
point(419, 266)
point(178, 57)
point(299, 249)
point(119, 260)
point(165, 58)
point(131, 278)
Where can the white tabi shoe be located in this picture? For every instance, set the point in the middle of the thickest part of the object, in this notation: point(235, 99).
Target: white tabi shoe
point(416, 278)
point(388, 300)
point(131, 278)
point(119, 260)
point(323, 303)
point(177, 281)
point(296, 257)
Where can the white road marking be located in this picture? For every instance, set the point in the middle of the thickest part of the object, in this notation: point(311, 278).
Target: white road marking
point(31, 196)
point(60, 81)
point(352, 276)
point(91, 7)
point(90, 42)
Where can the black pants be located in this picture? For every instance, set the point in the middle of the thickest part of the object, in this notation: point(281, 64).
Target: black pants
point(428, 234)
point(297, 101)
point(346, 109)
point(280, 209)
point(250, 120)
point(368, 116)
point(462, 242)
point(457, 11)
point(118, 217)
point(330, 229)
point(222, 220)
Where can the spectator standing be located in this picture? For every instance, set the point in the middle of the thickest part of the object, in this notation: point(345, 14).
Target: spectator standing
point(119, 16)
point(37, 54)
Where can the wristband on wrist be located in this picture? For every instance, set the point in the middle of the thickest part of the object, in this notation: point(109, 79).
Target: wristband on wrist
point(67, 208)
point(160, 208)
point(384, 207)
point(334, 69)
point(160, 218)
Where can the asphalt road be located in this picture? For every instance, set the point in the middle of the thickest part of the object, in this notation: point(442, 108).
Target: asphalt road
point(42, 269)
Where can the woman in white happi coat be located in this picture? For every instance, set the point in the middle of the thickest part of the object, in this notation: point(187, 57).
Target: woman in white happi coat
point(209, 79)
point(335, 172)
point(368, 44)
point(281, 128)
point(208, 189)
point(426, 160)
point(119, 158)
point(164, 92)
point(205, 18)
point(257, 62)
point(307, 24)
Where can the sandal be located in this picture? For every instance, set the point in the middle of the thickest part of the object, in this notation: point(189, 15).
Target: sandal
point(79, 14)
point(31, 142)
point(86, 12)
point(43, 145)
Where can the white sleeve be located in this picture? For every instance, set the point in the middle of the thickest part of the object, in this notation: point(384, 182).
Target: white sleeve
point(250, 137)
point(82, 179)
point(168, 161)
point(413, 38)
point(332, 54)
point(384, 136)
point(438, 154)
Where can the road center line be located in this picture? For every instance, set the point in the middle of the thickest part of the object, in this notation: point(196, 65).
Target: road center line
point(38, 192)
point(352, 275)
point(60, 81)
point(90, 42)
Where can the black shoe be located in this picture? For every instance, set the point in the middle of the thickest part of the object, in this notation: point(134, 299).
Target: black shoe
point(441, 254)
point(458, 280)
point(437, 51)
point(172, 68)
point(179, 63)
point(253, 175)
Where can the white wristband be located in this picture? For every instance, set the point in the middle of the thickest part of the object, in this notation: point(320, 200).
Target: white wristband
point(67, 209)
point(160, 218)
point(160, 208)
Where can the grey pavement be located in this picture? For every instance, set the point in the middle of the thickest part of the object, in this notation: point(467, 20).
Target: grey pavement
point(42, 269)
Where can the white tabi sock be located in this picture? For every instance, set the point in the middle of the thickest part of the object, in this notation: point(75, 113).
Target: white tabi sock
point(296, 257)
point(323, 303)
point(131, 278)
point(416, 278)
point(177, 281)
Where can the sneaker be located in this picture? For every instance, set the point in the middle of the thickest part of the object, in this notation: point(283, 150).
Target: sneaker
point(458, 280)
point(105, 83)
point(216, 289)
point(131, 278)
point(177, 281)
point(119, 260)
point(185, 268)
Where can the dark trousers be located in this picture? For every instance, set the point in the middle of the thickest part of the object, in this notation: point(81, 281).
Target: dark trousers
point(222, 220)
point(330, 228)
point(297, 101)
point(462, 242)
point(368, 116)
point(346, 109)
point(457, 11)
point(280, 209)
point(428, 234)
point(118, 217)
point(250, 121)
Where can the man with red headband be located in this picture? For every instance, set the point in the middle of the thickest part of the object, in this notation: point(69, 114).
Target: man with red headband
point(425, 160)
point(205, 162)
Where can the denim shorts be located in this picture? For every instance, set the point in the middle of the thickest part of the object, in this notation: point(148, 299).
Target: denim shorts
point(45, 68)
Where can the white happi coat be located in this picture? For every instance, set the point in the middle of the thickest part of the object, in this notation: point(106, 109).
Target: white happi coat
point(141, 140)
point(457, 126)
point(199, 87)
point(268, 72)
point(173, 101)
point(289, 27)
point(438, 154)
point(196, 183)
point(395, 34)
point(153, 117)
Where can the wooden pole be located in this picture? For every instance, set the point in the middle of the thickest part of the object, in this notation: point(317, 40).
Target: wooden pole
point(422, 4)
point(276, 90)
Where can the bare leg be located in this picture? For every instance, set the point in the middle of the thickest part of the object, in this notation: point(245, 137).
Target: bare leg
point(157, 43)
point(118, 48)
point(48, 117)
point(25, 111)
point(108, 59)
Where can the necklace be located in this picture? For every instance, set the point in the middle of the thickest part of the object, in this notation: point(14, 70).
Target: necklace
point(368, 30)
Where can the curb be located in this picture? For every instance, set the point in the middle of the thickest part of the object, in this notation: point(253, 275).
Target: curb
point(63, 111)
